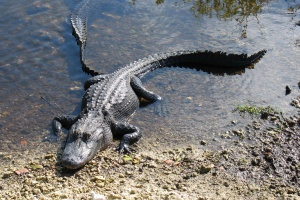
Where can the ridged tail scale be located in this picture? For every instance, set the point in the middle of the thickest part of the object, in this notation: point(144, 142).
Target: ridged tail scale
point(217, 62)
point(79, 23)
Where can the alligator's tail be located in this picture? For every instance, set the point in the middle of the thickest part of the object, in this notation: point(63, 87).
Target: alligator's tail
point(212, 62)
point(84, 67)
point(79, 24)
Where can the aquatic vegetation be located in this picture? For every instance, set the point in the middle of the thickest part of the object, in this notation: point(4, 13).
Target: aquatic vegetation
point(254, 110)
point(223, 9)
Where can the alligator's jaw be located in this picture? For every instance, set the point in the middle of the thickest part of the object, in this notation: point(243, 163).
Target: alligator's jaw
point(78, 152)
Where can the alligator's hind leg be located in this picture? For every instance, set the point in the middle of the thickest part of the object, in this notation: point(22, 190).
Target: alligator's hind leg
point(65, 121)
point(141, 91)
point(129, 133)
point(93, 80)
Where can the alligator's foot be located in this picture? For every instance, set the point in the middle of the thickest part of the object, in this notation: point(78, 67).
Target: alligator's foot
point(128, 139)
point(65, 121)
point(123, 148)
point(130, 134)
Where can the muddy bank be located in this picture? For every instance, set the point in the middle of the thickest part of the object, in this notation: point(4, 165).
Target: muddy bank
point(263, 163)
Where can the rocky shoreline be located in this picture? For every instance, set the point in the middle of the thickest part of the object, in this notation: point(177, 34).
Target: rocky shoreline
point(263, 163)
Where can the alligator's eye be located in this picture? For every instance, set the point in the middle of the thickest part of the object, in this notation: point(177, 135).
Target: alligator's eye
point(85, 111)
point(85, 136)
point(75, 134)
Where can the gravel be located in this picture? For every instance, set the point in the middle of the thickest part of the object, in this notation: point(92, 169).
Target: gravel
point(263, 163)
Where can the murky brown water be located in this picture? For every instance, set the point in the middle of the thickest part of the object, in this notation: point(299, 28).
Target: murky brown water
point(41, 75)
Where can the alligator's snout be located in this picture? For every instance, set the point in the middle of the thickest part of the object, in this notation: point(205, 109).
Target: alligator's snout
point(78, 152)
point(85, 138)
point(71, 163)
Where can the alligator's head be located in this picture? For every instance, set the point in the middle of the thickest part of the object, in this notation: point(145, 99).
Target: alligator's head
point(86, 137)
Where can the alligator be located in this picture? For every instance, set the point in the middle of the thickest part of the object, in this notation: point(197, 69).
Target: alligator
point(111, 99)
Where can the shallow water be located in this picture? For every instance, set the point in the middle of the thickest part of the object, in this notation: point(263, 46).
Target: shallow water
point(41, 74)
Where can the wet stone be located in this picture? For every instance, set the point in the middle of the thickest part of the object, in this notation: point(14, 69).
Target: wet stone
point(98, 179)
point(256, 162)
point(226, 184)
point(128, 173)
point(203, 142)
point(7, 175)
point(152, 165)
point(288, 90)
point(255, 153)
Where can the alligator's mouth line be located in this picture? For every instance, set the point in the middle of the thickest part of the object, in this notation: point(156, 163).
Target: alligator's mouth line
point(71, 166)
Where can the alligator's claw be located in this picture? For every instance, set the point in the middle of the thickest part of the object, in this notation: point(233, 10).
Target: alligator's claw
point(123, 148)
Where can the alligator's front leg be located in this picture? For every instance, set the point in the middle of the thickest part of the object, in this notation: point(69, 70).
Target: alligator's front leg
point(141, 91)
point(128, 133)
point(65, 121)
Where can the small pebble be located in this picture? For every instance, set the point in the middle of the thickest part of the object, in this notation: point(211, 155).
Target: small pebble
point(96, 196)
point(128, 173)
point(226, 184)
point(48, 156)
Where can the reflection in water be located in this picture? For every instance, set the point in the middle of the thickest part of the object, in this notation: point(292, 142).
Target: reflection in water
point(293, 7)
point(225, 9)
point(228, 9)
